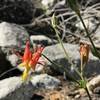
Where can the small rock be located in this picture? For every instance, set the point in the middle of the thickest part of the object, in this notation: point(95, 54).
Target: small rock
point(41, 39)
point(73, 93)
point(45, 81)
point(94, 82)
point(77, 96)
point(97, 90)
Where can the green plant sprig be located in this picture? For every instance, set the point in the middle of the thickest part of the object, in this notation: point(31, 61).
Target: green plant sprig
point(54, 23)
point(74, 6)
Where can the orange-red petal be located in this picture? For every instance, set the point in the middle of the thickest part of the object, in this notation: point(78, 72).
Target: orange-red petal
point(27, 53)
point(35, 57)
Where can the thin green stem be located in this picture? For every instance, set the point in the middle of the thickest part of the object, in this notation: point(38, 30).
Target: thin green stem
point(61, 43)
point(51, 61)
point(88, 35)
point(82, 77)
point(82, 66)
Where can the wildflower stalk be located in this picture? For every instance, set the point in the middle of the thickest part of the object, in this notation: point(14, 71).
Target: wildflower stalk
point(80, 74)
point(82, 82)
point(84, 55)
point(85, 86)
point(54, 25)
point(74, 7)
point(82, 66)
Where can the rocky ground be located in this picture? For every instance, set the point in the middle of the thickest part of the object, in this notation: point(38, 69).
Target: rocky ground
point(22, 20)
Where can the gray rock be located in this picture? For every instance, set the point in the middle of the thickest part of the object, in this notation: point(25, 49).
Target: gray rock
point(45, 81)
point(41, 39)
point(14, 89)
point(11, 36)
point(56, 54)
point(9, 85)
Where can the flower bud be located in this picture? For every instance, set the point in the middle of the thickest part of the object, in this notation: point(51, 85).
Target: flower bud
point(84, 52)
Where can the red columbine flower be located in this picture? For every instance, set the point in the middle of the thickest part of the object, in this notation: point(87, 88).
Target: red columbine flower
point(35, 58)
point(30, 60)
point(84, 53)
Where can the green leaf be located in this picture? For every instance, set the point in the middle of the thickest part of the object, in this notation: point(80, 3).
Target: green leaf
point(82, 83)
